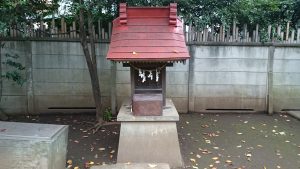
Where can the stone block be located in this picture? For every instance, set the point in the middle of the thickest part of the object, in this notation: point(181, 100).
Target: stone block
point(149, 139)
point(28, 146)
point(147, 104)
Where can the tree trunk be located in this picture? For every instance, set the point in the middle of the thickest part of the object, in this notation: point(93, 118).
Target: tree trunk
point(90, 57)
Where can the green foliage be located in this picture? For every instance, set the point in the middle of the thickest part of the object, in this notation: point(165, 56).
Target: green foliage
point(263, 36)
point(107, 115)
point(21, 13)
point(15, 70)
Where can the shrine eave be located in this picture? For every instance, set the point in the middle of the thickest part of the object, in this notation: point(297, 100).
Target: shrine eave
point(147, 34)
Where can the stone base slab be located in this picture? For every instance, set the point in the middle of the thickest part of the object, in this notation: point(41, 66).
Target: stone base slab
point(133, 166)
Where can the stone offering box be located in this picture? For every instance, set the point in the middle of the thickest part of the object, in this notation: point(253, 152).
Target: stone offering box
point(33, 146)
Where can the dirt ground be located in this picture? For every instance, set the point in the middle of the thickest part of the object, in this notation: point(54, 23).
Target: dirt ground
point(211, 141)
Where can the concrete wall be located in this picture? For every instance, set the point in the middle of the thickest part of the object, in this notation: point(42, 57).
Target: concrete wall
point(228, 77)
point(217, 77)
point(286, 75)
point(57, 78)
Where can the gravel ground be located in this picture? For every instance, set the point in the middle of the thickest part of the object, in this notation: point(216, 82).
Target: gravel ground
point(211, 141)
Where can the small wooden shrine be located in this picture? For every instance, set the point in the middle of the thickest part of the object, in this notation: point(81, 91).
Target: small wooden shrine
point(148, 39)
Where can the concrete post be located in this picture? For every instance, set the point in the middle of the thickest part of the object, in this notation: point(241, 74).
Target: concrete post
point(270, 80)
point(30, 91)
point(191, 97)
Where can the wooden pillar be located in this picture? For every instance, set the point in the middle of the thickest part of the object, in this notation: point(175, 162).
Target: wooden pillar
point(113, 94)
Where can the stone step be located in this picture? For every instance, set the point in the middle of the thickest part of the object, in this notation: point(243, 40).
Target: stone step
point(134, 166)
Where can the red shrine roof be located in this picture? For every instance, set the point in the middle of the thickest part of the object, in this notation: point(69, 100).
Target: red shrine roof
point(147, 34)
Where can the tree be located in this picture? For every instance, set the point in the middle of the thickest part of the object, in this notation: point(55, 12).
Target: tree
point(90, 57)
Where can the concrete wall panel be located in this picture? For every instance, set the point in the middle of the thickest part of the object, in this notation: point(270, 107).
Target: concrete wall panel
point(238, 65)
point(230, 52)
point(239, 91)
point(238, 78)
point(14, 104)
point(203, 104)
point(216, 77)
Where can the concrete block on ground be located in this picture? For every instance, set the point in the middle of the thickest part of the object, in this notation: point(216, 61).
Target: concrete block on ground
point(134, 166)
point(28, 145)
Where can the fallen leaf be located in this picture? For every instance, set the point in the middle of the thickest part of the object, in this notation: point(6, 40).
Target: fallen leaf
point(215, 158)
point(198, 156)
point(278, 166)
point(195, 167)
point(239, 133)
point(152, 165)
point(101, 149)
point(248, 155)
point(239, 146)
point(216, 148)
point(76, 141)
point(253, 128)
point(228, 162)
point(192, 160)
point(208, 141)
point(70, 162)
point(113, 151)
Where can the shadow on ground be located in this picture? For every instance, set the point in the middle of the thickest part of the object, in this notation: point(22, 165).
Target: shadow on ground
point(251, 141)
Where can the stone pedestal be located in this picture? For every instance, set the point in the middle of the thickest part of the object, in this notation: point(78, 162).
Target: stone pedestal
point(149, 139)
point(29, 145)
